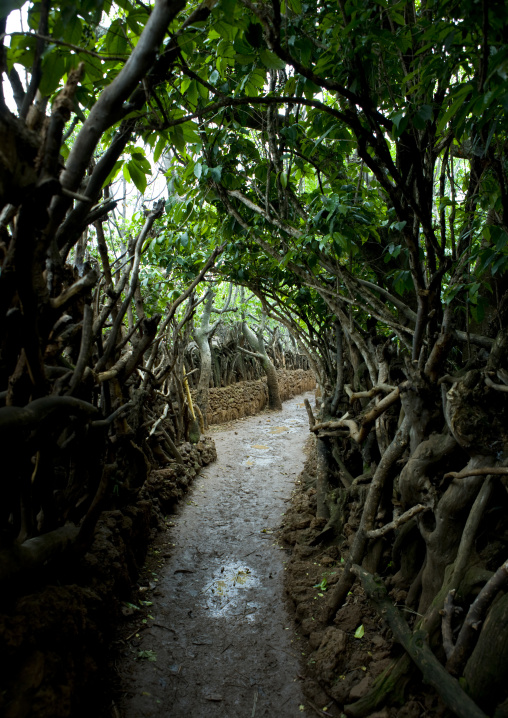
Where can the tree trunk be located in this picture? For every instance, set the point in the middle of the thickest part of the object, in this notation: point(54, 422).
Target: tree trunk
point(202, 336)
point(272, 382)
point(258, 345)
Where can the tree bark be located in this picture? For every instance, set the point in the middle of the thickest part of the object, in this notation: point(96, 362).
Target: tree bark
point(258, 345)
point(202, 337)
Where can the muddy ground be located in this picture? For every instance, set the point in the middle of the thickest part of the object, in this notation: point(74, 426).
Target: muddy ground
point(212, 636)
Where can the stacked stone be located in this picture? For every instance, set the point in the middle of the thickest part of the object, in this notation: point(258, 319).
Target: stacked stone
point(247, 398)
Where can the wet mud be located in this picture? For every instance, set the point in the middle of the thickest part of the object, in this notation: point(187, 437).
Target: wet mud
point(217, 639)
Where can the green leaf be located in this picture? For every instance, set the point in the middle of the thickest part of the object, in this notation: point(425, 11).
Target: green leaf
point(198, 170)
point(94, 69)
point(215, 173)
point(296, 6)
point(53, 70)
point(116, 169)
point(473, 292)
point(140, 159)
point(459, 97)
point(400, 123)
point(116, 42)
point(177, 137)
point(21, 50)
point(271, 60)
point(190, 132)
point(72, 30)
point(192, 93)
point(225, 30)
point(423, 115)
point(399, 226)
point(203, 91)
point(310, 89)
point(147, 655)
point(137, 175)
point(323, 137)
point(244, 59)
point(159, 148)
point(360, 631)
point(136, 20)
point(500, 265)
point(284, 179)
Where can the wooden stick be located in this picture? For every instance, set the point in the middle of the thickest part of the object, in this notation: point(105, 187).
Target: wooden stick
point(312, 421)
point(494, 470)
point(360, 430)
point(497, 387)
point(446, 624)
point(378, 389)
point(402, 519)
point(188, 394)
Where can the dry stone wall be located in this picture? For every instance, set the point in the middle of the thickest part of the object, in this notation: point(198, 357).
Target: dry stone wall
point(247, 398)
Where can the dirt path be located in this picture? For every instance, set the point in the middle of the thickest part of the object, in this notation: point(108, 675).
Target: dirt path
point(222, 641)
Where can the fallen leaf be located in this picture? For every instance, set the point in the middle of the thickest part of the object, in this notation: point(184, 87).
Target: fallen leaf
point(148, 655)
point(360, 631)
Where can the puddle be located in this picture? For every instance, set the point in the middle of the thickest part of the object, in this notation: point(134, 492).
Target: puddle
point(228, 589)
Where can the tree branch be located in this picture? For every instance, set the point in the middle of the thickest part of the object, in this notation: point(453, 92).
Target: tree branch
point(415, 644)
point(402, 519)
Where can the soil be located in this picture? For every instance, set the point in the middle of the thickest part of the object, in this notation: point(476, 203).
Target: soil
point(209, 633)
point(343, 659)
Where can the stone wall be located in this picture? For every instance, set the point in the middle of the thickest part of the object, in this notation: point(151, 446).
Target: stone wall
point(247, 398)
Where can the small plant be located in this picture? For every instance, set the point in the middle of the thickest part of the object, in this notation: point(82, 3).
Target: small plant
point(323, 585)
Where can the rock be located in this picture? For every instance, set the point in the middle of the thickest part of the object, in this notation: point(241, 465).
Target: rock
point(360, 689)
point(326, 561)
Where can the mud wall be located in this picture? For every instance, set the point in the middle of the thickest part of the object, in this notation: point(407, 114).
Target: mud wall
point(247, 398)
